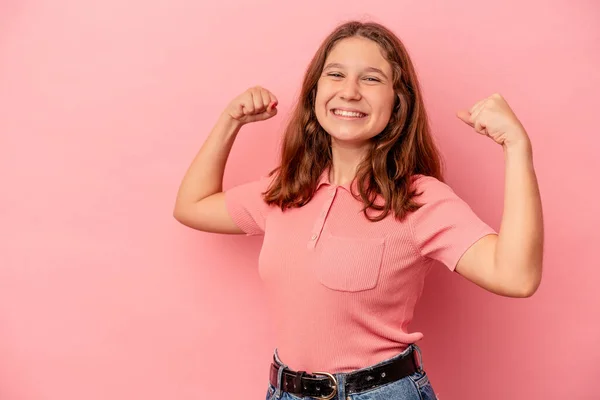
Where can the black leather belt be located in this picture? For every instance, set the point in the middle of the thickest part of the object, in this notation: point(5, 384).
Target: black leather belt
point(324, 385)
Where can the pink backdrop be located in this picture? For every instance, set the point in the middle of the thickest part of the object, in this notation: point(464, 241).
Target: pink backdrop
point(103, 295)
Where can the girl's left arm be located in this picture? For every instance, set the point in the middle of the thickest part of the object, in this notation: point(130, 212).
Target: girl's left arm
point(509, 263)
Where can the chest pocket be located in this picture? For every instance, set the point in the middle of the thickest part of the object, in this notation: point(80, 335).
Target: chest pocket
point(349, 264)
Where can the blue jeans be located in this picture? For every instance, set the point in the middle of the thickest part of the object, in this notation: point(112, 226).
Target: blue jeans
point(412, 387)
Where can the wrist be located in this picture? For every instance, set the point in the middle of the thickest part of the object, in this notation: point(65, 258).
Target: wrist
point(520, 146)
point(229, 124)
point(519, 151)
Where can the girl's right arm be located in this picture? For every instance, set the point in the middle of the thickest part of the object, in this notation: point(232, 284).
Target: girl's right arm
point(200, 202)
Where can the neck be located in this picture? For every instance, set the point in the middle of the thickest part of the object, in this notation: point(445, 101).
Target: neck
point(345, 162)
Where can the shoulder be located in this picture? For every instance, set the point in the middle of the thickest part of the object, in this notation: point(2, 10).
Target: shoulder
point(437, 201)
point(258, 184)
point(249, 192)
point(429, 188)
point(266, 180)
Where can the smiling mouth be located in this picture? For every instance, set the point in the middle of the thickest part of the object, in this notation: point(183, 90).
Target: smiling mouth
point(348, 114)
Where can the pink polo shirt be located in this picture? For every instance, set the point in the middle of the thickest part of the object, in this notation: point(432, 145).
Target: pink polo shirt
point(342, 289)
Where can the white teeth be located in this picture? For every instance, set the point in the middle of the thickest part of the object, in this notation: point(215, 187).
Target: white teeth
point(349, 113)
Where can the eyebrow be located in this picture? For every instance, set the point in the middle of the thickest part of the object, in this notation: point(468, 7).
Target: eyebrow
point(369, 69)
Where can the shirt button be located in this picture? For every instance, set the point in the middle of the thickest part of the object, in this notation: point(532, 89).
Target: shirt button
point(323, 213)
point(313, 237)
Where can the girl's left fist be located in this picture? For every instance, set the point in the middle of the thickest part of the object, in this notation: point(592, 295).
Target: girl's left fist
point(493, 117)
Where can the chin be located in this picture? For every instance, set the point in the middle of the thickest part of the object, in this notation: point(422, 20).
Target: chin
point(350, 137)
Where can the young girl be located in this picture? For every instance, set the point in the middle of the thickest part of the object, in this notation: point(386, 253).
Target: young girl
point(356, 214)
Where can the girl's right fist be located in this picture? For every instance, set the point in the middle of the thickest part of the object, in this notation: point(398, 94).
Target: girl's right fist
point(255, 104)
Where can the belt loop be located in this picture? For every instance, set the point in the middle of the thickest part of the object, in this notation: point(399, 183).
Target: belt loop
point(419, 357)
point(278, 359)
point(341, 381)
point(282, 367)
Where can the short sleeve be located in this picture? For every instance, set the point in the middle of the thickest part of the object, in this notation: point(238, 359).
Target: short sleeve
point(246, 206)
point(445, 226)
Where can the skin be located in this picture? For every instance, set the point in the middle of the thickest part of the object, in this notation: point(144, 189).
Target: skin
point(356, 77)
point(510, 263)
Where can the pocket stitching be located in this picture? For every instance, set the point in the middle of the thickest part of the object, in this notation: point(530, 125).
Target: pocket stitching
point(416, 386)
point(422, 381)
point(270, 392)
point(378, 244)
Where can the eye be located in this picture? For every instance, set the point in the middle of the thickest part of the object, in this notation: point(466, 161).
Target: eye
point(335, 75)
point(372, 79)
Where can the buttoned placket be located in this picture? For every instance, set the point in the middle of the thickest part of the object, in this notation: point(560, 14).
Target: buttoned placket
point(320, 222)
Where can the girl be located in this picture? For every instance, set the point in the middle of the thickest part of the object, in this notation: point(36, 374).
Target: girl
point(355, 215)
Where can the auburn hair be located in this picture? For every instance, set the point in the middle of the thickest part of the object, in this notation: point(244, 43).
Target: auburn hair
point(404, 148)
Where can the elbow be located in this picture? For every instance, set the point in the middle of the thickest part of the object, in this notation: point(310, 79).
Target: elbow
point(525, 292)
point(178, 213)
point(180, 210)
point(528, 287)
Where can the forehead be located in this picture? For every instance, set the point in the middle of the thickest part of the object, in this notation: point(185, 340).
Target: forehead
point(358, 52)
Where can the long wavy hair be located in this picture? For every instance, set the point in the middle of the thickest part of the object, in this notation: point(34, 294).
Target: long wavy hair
point(404, 148)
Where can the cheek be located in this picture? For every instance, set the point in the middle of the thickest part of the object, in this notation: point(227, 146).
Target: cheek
point(321, 99)
point(384, 107)
point(386, 104)
point(321, 92)
point(319, 107)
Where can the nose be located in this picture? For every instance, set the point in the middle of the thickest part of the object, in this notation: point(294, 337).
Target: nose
point(350, 90)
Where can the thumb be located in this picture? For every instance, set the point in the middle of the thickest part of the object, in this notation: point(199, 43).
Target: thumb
point(268, 113)
point(272, 112)
point(464, 116)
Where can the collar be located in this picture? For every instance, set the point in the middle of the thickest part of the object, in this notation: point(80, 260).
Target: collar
point(324, 180)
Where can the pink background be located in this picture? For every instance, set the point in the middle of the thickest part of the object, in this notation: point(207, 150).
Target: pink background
point(103, 295)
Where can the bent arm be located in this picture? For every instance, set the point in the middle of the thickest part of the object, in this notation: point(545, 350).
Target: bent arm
point(511, 263)
point(200, 202)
